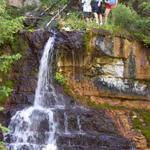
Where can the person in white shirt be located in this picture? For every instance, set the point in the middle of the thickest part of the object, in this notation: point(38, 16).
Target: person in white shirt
point(87, 9)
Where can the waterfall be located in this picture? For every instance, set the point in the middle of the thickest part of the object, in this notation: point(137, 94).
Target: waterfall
point(34, 128)
point(55, 122)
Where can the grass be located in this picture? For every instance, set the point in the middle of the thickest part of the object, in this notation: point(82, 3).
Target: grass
point(142, 122)
point(100, 106)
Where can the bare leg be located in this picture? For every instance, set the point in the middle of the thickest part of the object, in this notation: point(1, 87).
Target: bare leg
point(107, 11)
point(100, 19)
point(87, 19)
point(96, 17)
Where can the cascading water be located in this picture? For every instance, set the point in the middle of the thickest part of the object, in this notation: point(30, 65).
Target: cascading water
point(54, 124)
point(34, 128)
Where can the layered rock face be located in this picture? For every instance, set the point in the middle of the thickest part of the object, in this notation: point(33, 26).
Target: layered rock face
point(106, 69)
point(100, 67)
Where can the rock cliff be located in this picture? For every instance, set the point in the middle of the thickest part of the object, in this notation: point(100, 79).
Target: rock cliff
point(100, 68)
point(105, 68)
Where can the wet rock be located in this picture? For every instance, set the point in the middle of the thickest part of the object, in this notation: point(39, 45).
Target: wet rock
point(109, 70)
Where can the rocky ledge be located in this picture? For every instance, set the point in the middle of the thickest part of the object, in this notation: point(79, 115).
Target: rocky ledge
point(101, 68)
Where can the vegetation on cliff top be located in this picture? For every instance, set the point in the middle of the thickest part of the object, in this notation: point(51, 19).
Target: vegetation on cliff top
point(132, 17)
point(129, 17)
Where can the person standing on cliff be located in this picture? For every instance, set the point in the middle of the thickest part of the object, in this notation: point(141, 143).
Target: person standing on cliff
point(87, 9)
point(97, 9)
point(109, 5)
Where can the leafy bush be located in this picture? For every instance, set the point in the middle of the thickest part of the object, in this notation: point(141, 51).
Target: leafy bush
point(6, 61)
point(3, 129)
point(60, 78)
point(8, 25)
point(75, 21)
point(127, 18)
point(56, 3)
point(124, 17)
point(5, 66)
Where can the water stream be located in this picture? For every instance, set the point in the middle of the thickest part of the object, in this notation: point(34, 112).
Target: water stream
point(34, 128)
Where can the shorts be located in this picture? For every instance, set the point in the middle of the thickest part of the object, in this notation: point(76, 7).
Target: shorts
point(87, 14)
point(110, 6)
point(96, 8)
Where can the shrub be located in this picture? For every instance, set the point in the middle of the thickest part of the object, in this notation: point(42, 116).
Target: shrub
point(8, 25)
point(60, 78)
point(3, 129)
point(124, 17)
point(127, 18)
point(75, 21)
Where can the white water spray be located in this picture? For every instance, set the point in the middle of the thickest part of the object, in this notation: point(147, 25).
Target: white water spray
point(34, 128)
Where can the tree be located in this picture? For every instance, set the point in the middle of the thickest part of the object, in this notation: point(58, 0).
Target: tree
point(135, 17)
point(8, 26)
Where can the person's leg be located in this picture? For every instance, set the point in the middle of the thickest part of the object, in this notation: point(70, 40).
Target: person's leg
point(107, 11)
point(87, 19)
point(100, 18)
point(86, 16)
point(96, 17)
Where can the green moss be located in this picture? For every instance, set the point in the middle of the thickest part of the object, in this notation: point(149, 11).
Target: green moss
point(2, 99)
point(19, 44)
point(68, 90)
point(86, 39)
point(144, 126)
point(100, 106)
point(137, 123)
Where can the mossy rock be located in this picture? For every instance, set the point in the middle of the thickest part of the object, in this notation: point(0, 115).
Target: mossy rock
point(19, 45)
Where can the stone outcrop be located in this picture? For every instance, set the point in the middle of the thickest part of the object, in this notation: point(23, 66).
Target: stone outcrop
point(101, 68)
point(106, 69)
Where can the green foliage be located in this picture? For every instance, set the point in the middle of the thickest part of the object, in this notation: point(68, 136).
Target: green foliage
point(8, 25)
point(60, 78)
point(2, 147)
point(137, 123)
point(3, 129)
point(75, 21)
point(145, 6)
point(5, 66)
point(49, 3)
point(100, 106)
point(1, 108)
point(124, 17)
point(144, 125)
point(5, 90)
point(6, 62)
point(127, 18)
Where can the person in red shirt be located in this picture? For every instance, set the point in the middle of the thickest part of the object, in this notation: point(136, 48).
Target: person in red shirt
point(109, 5)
